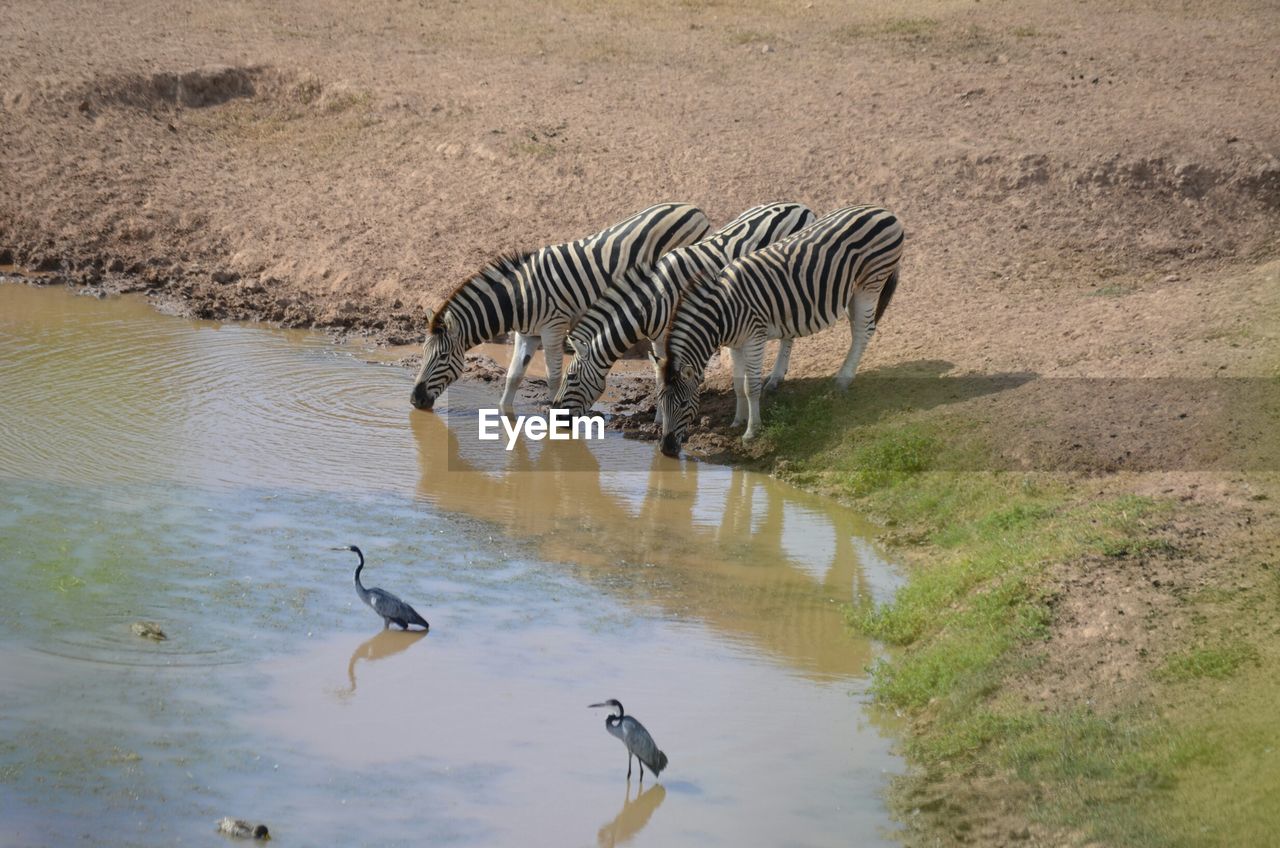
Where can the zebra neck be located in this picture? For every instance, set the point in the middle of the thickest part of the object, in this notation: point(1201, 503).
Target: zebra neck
point(488, 305)
point(701, 326)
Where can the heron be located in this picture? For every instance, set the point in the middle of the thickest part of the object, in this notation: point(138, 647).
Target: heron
point(638, 741)
point(385, 604)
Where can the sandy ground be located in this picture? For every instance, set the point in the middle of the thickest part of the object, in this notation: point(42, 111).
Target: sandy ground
point(1091, 190)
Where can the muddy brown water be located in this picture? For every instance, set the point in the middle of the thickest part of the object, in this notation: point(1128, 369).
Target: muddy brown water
point(194, 474)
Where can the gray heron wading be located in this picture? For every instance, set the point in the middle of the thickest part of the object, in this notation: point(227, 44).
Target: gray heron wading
point(638, 741)
point(385, 604)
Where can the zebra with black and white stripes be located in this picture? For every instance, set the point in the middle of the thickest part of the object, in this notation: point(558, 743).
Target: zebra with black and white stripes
point(639, 307)
point(540, 295)
point(845, 264)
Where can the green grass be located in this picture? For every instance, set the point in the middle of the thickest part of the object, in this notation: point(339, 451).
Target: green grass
point(977, 606)
point(1218, 662)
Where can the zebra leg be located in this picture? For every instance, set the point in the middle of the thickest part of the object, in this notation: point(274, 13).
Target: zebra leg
point(862, 323)
point(553, 350)
point(739, 387)
point(525, 346)
point(753, 356)
point(780, 365)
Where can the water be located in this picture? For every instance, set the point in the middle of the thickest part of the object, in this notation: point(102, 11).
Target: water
point(196, 474)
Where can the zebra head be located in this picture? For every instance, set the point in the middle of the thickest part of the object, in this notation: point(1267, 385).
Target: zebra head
point(442, 360)
point(677, 401)
point(583, 385)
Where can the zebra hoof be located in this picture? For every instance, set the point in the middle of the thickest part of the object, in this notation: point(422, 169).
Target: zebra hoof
point(736, 423)
point(842, 384)
point(748, 436)
point(769, 386)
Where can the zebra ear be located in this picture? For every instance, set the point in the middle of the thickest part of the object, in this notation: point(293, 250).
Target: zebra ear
point(431, 315)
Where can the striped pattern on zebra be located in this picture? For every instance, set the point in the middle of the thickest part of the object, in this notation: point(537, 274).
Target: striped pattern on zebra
point(541, 294)
point(639, 307)
point(845, 264)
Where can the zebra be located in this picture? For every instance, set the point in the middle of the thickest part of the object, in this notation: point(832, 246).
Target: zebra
point(541, 294)
point(640, 306)
point(846, 263)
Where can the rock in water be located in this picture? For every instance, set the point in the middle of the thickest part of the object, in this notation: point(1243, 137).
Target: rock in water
point(148, 630)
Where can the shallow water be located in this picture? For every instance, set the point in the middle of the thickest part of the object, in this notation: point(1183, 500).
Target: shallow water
point(195, 474)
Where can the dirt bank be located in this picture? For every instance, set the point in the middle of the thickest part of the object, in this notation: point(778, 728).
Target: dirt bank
point(1074, 180)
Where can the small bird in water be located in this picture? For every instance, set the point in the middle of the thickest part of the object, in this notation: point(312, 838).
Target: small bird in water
point(638, 741)
point(241, 829)
point(148, 630)
point(385, 604)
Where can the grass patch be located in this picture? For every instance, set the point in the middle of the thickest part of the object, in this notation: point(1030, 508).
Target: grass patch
point(748, 36)
point(910, 28)
point(977, 607)
point(1218, 662)
point(1112, 291)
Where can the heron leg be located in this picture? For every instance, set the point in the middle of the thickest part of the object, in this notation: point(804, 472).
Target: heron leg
point(386, 623)
point(641, 769)
point(629, 765)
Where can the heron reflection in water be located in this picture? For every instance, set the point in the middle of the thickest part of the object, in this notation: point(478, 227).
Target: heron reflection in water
point(633, 816)
point(383, 644)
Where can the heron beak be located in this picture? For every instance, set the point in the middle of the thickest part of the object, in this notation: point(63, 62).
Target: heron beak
point(593, 706)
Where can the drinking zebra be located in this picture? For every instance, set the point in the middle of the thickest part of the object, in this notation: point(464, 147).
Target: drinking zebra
point(846, 263)
point(639, 307)
point(541, 294)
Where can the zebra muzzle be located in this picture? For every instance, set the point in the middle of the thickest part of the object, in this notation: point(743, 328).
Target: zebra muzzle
point(420, 399)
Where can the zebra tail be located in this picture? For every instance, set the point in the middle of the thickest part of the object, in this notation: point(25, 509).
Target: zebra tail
point(886, 294)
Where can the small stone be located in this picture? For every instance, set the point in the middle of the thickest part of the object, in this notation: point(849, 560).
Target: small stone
point(1171, 278)
point(450, 150)
point(148, 630)
point(223, 278)
point(765, 48)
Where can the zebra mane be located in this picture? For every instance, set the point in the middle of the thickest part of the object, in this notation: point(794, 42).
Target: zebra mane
point(503, 265)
